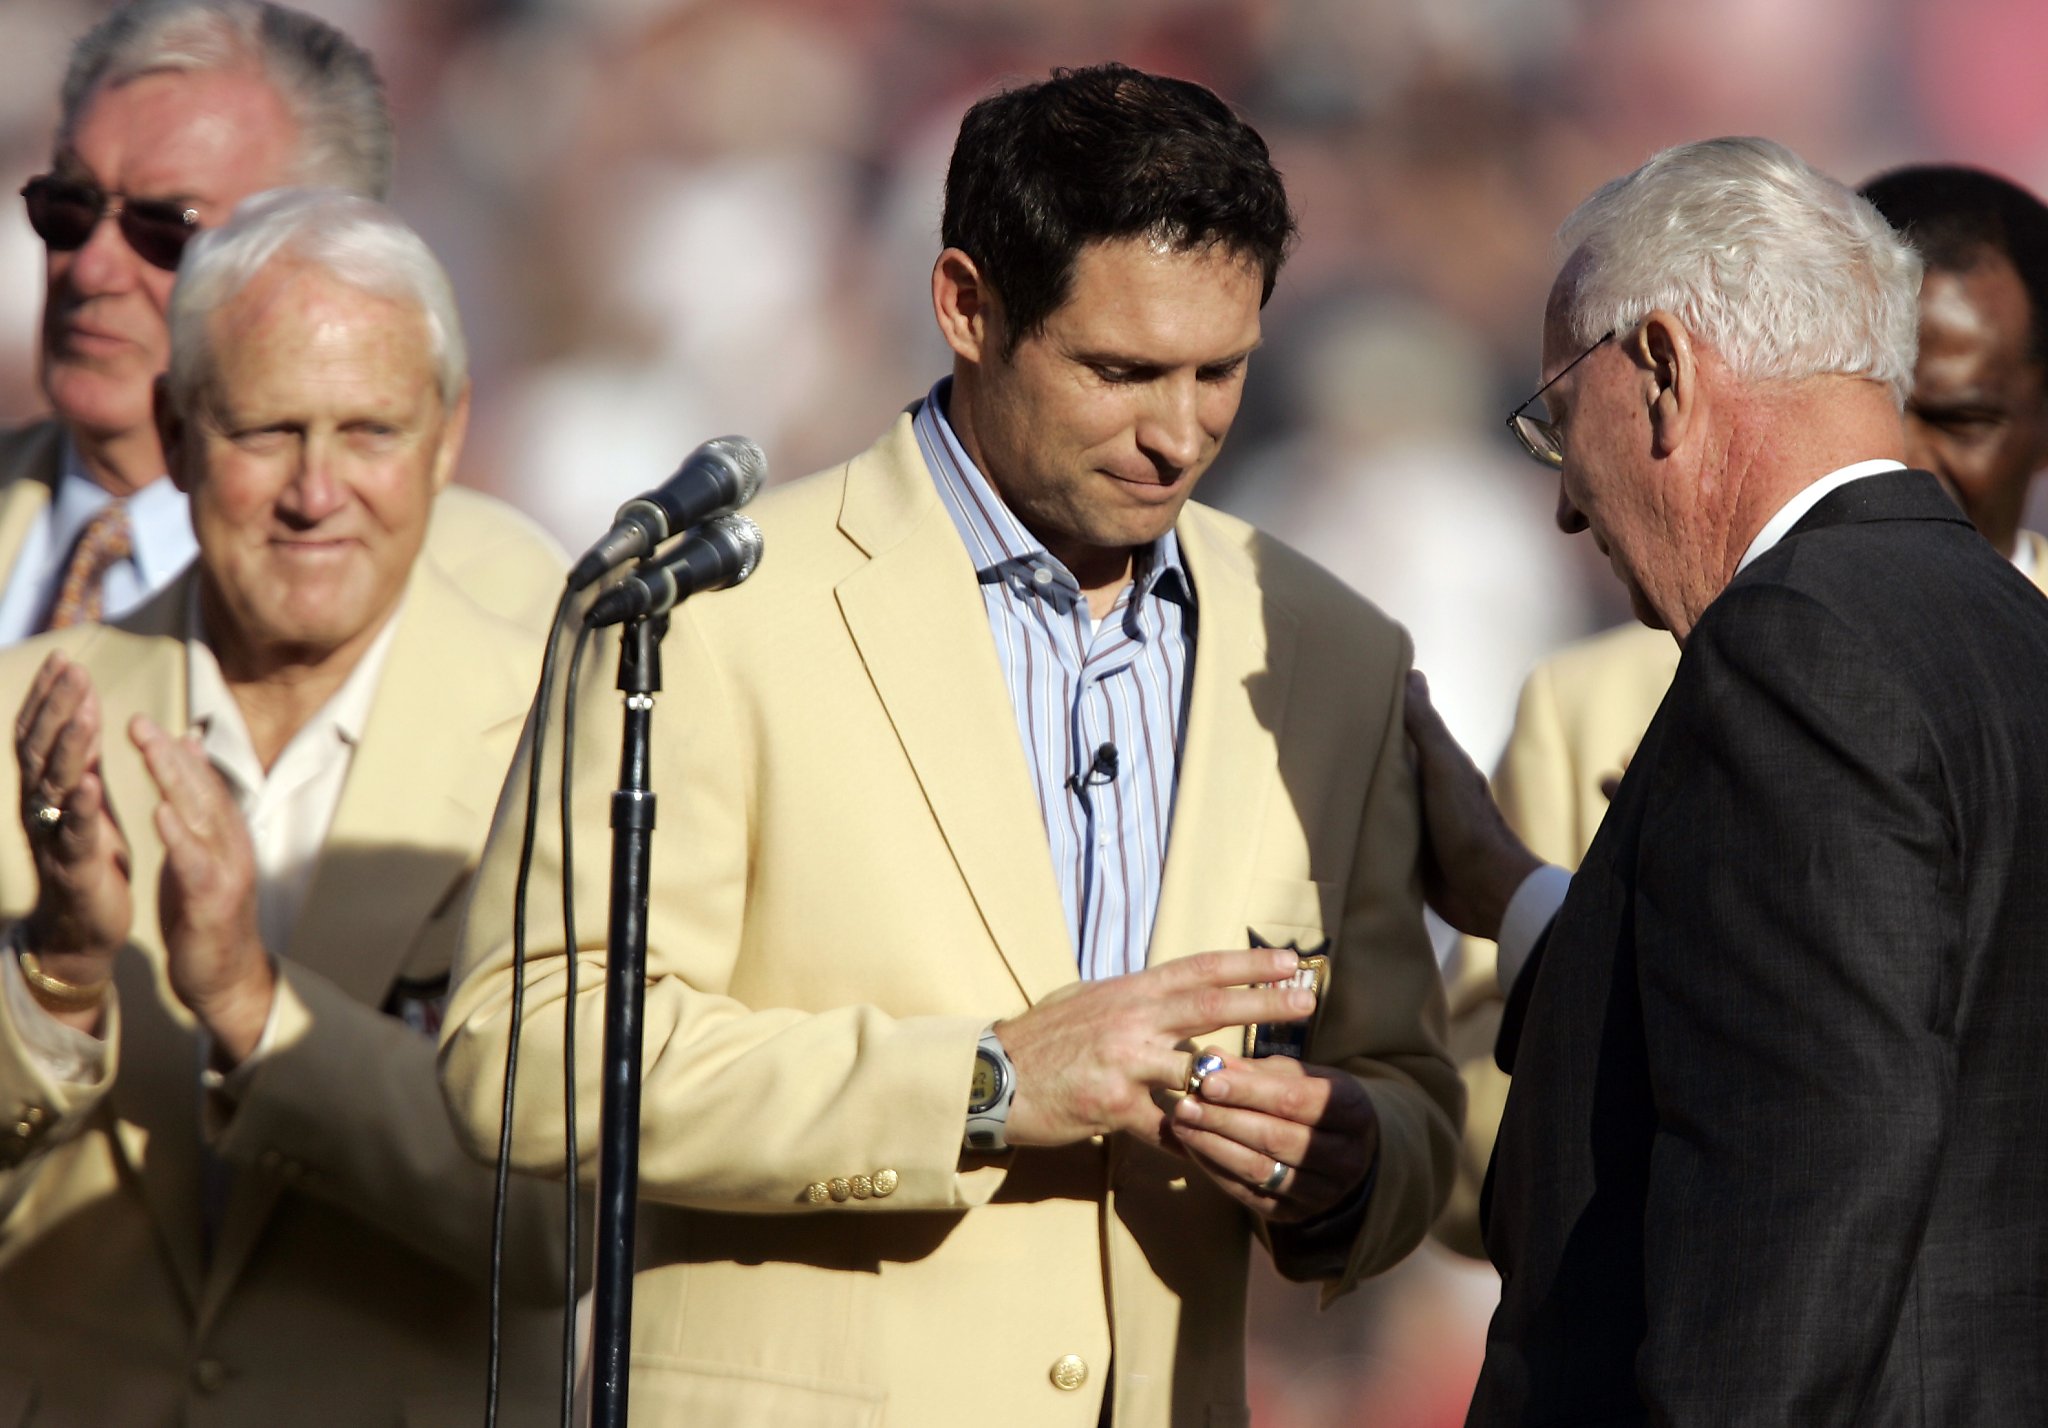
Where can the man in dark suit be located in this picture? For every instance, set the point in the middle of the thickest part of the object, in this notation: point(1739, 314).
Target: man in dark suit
point(1773, 1151)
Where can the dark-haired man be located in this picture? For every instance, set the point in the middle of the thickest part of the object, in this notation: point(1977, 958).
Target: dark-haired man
point(173, 112)
point(1977, 417)
point(995, 789)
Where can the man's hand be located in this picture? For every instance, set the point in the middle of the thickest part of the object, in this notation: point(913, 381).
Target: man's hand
point(1097, 1057)
point(206, 895)
point(84, 905)
point(1316, 1124)
point(1472, 861)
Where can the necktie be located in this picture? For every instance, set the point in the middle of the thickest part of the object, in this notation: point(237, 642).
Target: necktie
point(104, 540)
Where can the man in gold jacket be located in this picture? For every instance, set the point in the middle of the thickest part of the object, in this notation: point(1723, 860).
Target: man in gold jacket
point(981, 805)
point(229, 1192)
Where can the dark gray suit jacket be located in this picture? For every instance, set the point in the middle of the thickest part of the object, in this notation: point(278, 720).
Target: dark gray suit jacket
point(1777, 1148)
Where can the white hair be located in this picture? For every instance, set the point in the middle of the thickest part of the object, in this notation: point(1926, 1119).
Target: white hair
point(1781, 270)
point(326, 79)
point(359, 241)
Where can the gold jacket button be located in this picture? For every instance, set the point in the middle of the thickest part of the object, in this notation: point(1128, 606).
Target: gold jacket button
point(209, 1375)
point(884, 1183)
point(1069, 1372)
point(862, 1186)
point(816, 1193)
point(841, 1191)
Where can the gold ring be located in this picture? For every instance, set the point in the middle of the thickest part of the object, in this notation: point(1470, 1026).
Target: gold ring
point(1201, 1069)
point(1275, 1178)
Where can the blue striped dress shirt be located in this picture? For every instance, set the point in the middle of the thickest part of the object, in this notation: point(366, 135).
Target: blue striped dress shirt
point(1101, 708)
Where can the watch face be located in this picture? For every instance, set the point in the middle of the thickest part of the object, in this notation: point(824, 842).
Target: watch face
point(987, 1087)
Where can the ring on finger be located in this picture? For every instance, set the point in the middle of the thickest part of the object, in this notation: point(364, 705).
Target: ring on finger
point(1275, 1178)
point(46, 815)
point(1201, 1069)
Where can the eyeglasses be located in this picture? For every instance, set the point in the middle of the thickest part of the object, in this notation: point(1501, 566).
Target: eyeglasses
point(64, 213)
point(1538, 437)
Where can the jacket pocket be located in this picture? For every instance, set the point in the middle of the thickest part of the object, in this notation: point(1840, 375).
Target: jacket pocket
point(1291, 912)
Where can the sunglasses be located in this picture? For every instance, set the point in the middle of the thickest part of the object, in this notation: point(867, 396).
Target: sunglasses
point(64, 213)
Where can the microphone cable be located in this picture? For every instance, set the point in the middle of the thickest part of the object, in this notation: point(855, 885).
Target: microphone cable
point(572, 1185)
point(501, 1187)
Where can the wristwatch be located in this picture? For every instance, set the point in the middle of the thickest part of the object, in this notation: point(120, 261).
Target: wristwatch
point(988, 1100)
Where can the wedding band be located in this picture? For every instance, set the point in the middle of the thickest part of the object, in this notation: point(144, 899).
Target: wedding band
point(47, 815)
point(1201, 1069)
point(1275, 1178)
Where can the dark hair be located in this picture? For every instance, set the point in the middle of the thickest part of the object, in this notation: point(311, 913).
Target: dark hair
point(1954, 216)
point(1100, 153)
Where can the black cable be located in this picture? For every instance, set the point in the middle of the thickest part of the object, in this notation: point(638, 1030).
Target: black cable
point(537, 719)
point(572, 1185)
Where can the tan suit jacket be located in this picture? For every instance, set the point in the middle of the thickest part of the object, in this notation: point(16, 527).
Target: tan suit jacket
point(1581, 715)
point(851, 879)
point(489, 549)
point(343, 1281)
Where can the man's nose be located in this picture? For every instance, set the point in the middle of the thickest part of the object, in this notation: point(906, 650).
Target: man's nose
point(1570, 519)
point(1171, 429)
point(104, 263)
point(314, 491)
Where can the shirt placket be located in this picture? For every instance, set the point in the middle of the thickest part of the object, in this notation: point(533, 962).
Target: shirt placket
point(1106, 892)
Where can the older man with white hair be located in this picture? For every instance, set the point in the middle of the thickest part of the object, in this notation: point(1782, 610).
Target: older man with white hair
point(250, 811)
point(1771, 1155)
point(173, 112)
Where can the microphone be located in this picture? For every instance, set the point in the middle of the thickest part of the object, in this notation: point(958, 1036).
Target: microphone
point(721, 552)
point(720, 476)
point(1101, 771)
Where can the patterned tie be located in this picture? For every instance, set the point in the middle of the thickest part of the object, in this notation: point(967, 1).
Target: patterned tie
point(104, 540)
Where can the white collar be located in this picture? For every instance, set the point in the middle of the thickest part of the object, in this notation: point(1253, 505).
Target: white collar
point(214, 712)
point(1791, 513)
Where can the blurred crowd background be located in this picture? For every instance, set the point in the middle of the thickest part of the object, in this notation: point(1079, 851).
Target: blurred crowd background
point(669, 219)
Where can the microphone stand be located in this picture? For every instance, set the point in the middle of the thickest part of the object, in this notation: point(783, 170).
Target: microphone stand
point(625, 996)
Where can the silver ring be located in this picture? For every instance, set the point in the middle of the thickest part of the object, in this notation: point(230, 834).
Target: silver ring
point(1275, 1178)
point(47, 815)
point(1201, 1069)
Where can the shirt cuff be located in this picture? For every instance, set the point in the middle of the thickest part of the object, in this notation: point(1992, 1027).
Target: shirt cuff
point(1530, 910)
point(65, 1054)
point(1320, 1247)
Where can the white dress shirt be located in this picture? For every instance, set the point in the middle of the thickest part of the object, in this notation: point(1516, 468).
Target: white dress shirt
point(289, 810)
point(1542, 893)
point(160, 530)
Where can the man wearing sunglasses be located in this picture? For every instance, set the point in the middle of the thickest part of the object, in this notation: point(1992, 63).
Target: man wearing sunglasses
point(173, 111)
point(1771, 1153)
point(1977, 418)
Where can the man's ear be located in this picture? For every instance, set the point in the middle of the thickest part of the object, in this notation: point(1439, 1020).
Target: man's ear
point(453, 429)
point(170, 432)
point(1662, 349)
point(969, 313)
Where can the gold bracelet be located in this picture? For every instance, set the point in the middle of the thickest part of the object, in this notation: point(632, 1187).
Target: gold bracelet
point(56, 993)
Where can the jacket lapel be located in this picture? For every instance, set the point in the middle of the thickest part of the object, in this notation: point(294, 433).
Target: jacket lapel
point(28, 476)
point(1244, 655)
point(404, 833)
point(156, 1091)
point(915, 614)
